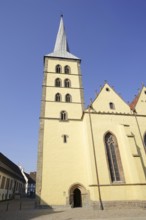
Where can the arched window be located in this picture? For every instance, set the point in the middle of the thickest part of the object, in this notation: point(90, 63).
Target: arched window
point(145, 140)
point(111, 105)
point(68, 98)
point(113, 157)
point(58, 69)
point(67, 69)
point(58, 97)
point(58, 82)
point(63, 115)
point(67, 83)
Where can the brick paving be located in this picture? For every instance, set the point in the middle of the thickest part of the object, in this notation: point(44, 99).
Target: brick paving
point(24, 209)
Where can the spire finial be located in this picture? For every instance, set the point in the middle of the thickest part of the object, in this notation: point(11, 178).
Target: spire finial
point(61, 43)
point(61, 48)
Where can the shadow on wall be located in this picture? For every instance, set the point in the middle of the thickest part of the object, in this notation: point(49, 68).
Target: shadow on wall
point(23, 208)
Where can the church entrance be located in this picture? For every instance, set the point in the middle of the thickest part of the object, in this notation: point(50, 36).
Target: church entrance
point(78, 196)
point(77, 199)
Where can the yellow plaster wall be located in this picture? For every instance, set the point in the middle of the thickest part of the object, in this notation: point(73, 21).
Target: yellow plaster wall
point(133, 165)
point(63, 163)
point(52, 62)
point(51, 92)
point(103, 99)
point(141, 104)
point(67, 164)
point(123, 193)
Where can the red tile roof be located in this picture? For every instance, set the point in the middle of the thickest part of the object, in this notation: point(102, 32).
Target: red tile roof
point(134, 102)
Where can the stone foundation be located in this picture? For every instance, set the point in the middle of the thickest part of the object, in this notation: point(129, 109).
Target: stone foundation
point(120, 205)
point(135, 204)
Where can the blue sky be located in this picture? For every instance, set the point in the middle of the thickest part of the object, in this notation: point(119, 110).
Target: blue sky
point(108, 35)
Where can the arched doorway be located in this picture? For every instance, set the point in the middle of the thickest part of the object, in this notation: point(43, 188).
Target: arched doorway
point(78, 196)
point(77, 199)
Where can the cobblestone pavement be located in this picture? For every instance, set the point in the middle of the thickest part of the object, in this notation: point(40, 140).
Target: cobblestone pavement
point(25, 210)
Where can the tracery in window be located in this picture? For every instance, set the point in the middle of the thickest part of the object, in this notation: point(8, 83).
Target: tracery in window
point(57, 97)
point(68, 98)
point(67, 69)
point(58, 82)
point(58, 69)
point(67, 83)
point(111, 105)
point(113, 157)
point(63, 115)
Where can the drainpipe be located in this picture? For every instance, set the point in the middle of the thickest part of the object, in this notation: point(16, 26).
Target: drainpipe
point(139, 129)
point(95, 161)
point(134, 112)
point(26, 179)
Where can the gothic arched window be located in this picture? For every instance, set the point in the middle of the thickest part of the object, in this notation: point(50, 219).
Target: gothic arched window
point(58, 97)
point(63, 115)
point(58, 82)
point(58, 69)
point(67, 69)
point(67, 83)
point(113, 157)
point(68, 98)
point(145, 140)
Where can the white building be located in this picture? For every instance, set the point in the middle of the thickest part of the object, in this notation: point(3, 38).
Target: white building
point(11, 180)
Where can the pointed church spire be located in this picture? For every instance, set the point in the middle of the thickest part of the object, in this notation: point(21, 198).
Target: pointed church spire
point(61, 49)
point(61, 43)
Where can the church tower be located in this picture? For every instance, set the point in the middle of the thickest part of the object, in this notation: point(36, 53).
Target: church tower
point(63, 86)
point(94, 157)
point(60, 148)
